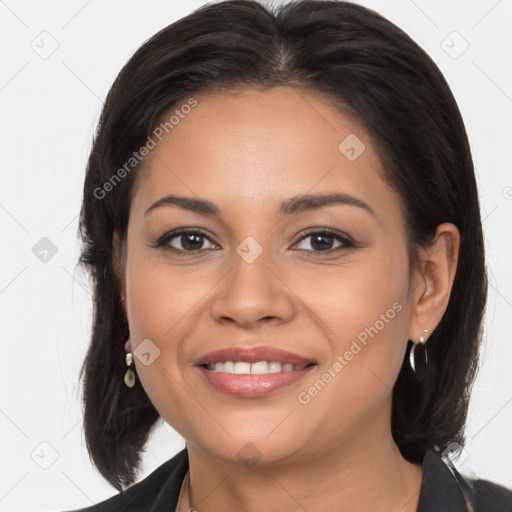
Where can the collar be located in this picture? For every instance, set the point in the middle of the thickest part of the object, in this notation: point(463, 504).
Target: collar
point(443, 489)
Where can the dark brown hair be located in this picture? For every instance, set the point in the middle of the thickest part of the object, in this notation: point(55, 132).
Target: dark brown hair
point(361, 60)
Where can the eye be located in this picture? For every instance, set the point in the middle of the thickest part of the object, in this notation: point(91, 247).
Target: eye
point(184, 241)
point(323, 240)
point(192, 241)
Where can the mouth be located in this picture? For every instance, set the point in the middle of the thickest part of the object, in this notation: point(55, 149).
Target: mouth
point(257, 368)
point(250, 372)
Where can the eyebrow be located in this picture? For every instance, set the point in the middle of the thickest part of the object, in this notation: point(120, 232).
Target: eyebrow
point(296, 204)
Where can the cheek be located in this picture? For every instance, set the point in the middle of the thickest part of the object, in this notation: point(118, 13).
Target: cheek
point(161, 297)
point(155, 301)
point(363, 301)
point(365, 311)
point(158, 307)
point(167, 306)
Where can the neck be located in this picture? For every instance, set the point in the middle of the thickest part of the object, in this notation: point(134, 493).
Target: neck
point(365, 474)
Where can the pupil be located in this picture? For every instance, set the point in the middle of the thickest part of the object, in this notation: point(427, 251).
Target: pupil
point(189, 242)
point(320, 246)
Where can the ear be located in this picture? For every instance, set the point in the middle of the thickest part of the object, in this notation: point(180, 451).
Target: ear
point(432, 283)
point(118, 265)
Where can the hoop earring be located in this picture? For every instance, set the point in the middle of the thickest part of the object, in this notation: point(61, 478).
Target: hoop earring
point(418, 357)
point(129, 376)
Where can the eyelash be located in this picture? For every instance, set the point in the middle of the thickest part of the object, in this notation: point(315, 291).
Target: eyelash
point(163, 241)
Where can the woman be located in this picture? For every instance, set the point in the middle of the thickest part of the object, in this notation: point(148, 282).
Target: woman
point(282, 224)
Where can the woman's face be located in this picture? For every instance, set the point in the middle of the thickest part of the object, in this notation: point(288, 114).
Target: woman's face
point(259, 275)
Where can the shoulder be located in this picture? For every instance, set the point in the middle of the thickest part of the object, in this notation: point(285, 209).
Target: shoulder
point(444, 488)
point(161, 486)
point(488, 496)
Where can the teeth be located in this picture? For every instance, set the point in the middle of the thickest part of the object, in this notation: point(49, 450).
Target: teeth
point(229, 367)
point(259, 368)
point(275, 367)
point(241, 368)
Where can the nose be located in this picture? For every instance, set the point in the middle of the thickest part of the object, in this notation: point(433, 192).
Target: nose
point(253, 293)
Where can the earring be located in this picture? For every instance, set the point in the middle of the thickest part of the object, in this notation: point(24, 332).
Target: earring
point(129, 376)
point(418, 357)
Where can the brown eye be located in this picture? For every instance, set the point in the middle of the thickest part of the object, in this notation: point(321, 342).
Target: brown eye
point(323, 240)
point(183, 241)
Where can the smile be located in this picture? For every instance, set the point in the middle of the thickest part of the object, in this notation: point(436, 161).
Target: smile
point(258, 368)
point(251, 372)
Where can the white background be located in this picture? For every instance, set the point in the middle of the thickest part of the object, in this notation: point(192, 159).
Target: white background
point(49, 110)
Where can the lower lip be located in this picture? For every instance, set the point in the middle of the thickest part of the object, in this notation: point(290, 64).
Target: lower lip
point(252, 386)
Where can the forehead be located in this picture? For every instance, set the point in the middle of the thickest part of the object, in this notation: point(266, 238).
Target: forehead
point(257, 148)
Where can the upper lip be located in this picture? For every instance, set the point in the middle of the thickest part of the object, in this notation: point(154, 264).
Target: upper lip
point(252, 355)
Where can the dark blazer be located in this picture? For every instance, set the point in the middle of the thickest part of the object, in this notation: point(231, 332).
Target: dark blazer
point(443, 489)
